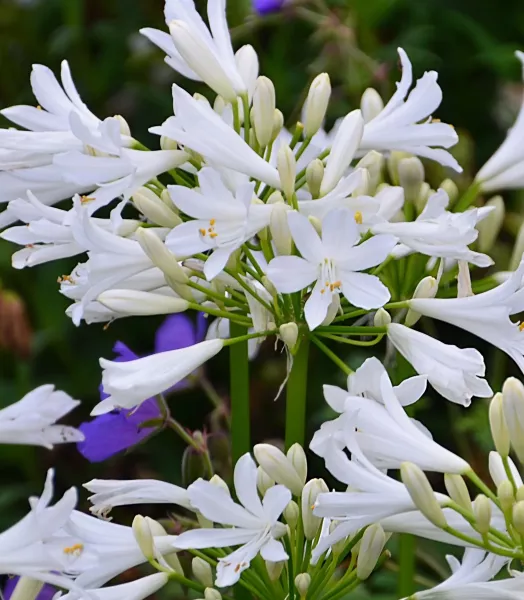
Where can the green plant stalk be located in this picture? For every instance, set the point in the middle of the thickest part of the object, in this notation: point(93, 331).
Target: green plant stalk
point(406, 573)
point(341, 364)
point(239, 390)
point(468, 198)
point(296, 391)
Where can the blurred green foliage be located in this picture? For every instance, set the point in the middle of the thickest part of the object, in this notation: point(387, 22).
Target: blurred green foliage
point(469, 42)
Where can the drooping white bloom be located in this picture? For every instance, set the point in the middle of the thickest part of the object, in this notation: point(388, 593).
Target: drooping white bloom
point(457, 374)
point(439, 233)
point(255, 524)
point(333, 263)
point(108, 493)
point(130, 383)
point(200, 53)
point(403, 125)
point(505, 169)
point(32, 420)
point(486, 315)
point(198, 127)
point(223, 220)
point(134, 590)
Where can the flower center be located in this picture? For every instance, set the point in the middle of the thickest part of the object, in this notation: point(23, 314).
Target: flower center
point(75, 550)
point(358, 217)
point(329, 276)
point(210, 231)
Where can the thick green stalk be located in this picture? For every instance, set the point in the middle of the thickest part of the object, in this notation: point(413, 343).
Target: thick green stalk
point(296, 392)
point(239, 390)
point(406, 573)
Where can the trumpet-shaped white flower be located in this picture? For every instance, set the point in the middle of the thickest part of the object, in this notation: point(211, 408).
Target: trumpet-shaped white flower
point(439, 233)
point(333, 263)
point(403, 125)
point(130, 383)
point(134, 590)
point(504, 170)
point(223, 220)
point(457, 374)
point(198, 127)
point(200, 53)
point(32, 420)
point(255, 524)
point(486, 315)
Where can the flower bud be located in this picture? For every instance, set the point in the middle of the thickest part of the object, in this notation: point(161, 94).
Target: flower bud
point(518, 250)
point(411, 175)
point(27, 588)
point(518, 517)
point(490, 226)
point(458, 490)
point(143, 537)
point(393, 161)
point(316, 104)
point(363, 188)
point(314, 176)
point(291, 514)
point(302, 583)
point(212, 594)
point(219, 105)
point(279, 467)
point(274, 569)
point(506, 495)
point(263, 110)
point(513, 406)
point(246, 60)
point(371, 104)
point(422, 493)
point(297, 457)
point(317, 224)
point(138, 303)
point(219, 482)
point(202, 571)
point(499, 428)
point(278, 124)
point(451, 189)
point(373, 162)
point(279, 228)
point(287, 169)
point(520, 493)
point(371, 546)
point(422, 199)
point(289, 334)
point(167, 143)
point(152, 207)
point(482, 513)
point(161, 257)
point(269, 286)
point(264, 481)
point(124, 125)
point(309, 496)
point(382, 318)
point(276, 198)
point(426, 288)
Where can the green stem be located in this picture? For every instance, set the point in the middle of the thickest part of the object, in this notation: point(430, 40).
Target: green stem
point(406, 574)
point(347, 370)
point(239, 391)
point(296, 392)
point(467, 198)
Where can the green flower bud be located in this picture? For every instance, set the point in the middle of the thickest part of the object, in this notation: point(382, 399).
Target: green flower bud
point(458, 490)
point(302, 583)
point(422, 494)
point(482, 513)
point(371, 546)
point(499, 428)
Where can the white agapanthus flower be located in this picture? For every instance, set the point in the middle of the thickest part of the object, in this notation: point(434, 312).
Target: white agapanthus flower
point(252, 524)
point(139, 589)
point(333, 263)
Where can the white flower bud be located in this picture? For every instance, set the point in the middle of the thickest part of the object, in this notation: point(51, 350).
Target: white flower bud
point(167, 143)
point(278, 124)
point(219, 105)
point(309, 496)
point(411, 175)
point(263, 110)
point(518, 250)
point(314, 176)
point(499, 428)
point(513, 405)
point(371, 104)
point(373, 162)
point(152, 207)
point(264, 481)
point(278, 466)
point(289, 334)
point(297, 457)
point(371, 546)
point(124, 125)
point(202, 571)
point(291, 514)
point(382, 318)
point(506, 495)
point(287, 169)
point(451, 189)
point(274, 569)
point(137, 303)
point(161, 257)
point(364, 187)
point(212, 594)
point(422, 493)
point(316, 104)
point(172, 559)
point(426, 288)
point(279, 228)
point(392, 162)
point(482, 513)
point(143, 537)
point(423, 196)
point(219, 482)
point(317, 224)
point(302, 583)
point(276, 198)
point(458, 490)
point(489, 228)
point(518, 517)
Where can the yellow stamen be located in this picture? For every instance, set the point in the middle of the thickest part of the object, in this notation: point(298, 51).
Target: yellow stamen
point(358, 217)
point(85, 199)
point(38, 107)
point(521, 326)
point(76, 549)
point(212, 222)
point(202, 232)
point(213, 235)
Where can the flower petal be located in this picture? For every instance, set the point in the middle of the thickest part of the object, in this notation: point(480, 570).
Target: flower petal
point(364, 291)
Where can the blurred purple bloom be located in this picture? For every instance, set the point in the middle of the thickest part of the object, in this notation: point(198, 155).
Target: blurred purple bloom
point(116, 431)
point(265, 7)
point(47, 592)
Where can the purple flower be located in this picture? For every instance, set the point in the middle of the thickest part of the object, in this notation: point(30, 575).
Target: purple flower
point(47, 592)
point(265, 7)
point(119, 430)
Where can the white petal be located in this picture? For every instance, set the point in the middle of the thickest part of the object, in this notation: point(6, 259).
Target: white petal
point(291, 273)
point(368, 254)
point(339, 233)
point(364, 291)
point(273, 551)
point(306, 238)
point(245, 477)
point(317, 305)
point(275, 501)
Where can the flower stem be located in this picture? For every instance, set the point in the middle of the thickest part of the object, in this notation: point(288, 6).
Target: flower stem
point(406, 574)
point(296, 392)
point(347, 370)
point(239, 391)
point(469, 196)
